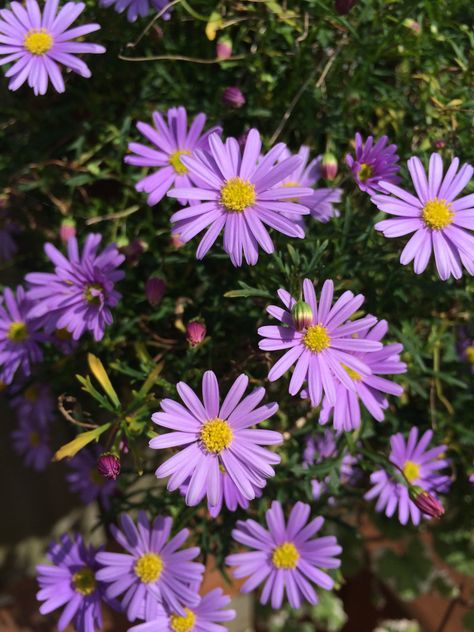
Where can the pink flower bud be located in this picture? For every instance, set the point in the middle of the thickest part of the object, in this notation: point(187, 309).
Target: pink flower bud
point(155, 289)
point(302, 315)
point(108, 465)
point(329, 166)
point(67, 230)
point(344, 6)
point(176, 241)
point(426, 503)
point(440, 143)
point(233, 97)
point(224, 48)
point(195, 332)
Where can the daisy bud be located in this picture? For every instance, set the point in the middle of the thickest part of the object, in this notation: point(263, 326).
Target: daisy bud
point(224, 48)
point(108, 465)
point(302, 315)
point(176, 241)
point(195, 332)
point(329, 166)
point(440, 143)
point(67, 230)
point(344, 6)
point(233, 97)
point(155, 289)
point(426, 503)
point(413, 25)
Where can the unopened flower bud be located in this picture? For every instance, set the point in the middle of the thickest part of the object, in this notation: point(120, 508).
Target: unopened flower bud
point(440, 143)
point(155, 289)
point(426, 503)
point(67, 230)
point(233, 97)
point(108, 465)
point(344, 6)
point(413, 25)
point(302, 315)
point(224, 48)
point(195, 332)
point(329, 166)
point(176, 241)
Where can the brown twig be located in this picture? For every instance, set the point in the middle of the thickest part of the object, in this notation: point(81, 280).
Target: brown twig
point(62, 399)
point(193, 60)
point(151, 23)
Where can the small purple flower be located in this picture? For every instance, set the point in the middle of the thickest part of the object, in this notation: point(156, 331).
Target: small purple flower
point(172, 141)
point(324, 351)
point(217, 436)
point(233, 97)
point(440, 223)
point(239, 195)
point(153, 573)
point(205, 617)
point(420, 468)
point(369, 389)
point(71, 582)
point(287, 556)
point(19, 335)
point(39, 43)
point(34, 401)
point(137, 8)
point(85, 480)
point(80, 294)
point(30, 440)
point(373, 163)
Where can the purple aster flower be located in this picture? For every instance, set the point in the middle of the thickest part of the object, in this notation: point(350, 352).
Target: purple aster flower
point(80, 294)
point(205, 617)
point(35, 401)
point(153, 573)
point(238, 194)
point(19, 335)
point(216, 436)
point(420, 468)
point(369, 389)
point(465, 345)
point(30, 440)
point(373, 163)
point(137, 8)
point(323, 351)
point(440, 223)
point(172, 140)
point(85, 480)
point(39, 43)
point(287, 556)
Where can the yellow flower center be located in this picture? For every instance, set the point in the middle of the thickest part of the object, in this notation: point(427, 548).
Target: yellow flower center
point(34, 439)
point(470, 354)
point(216, 435)
point(351, 373)
point(17, 332)
point(317, 338)
point(175, 161)
point(437, 214)
point(148, 568)
point(3, 386)
point(183, 624)
point(90, 295)
point(38, 42)
point(84, 581)
point(411, 471)
point(365, 172)
point(31, 393)
point(285, 556)
point(237, 195)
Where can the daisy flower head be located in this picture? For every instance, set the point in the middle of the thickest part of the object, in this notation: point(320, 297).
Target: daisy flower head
point(371, 389)
point(20, 335)
point(71, 581)
point(153, 573)
point(420, 467)
point(440, 222)
point(37, 43)
point(239, 194)
point(218, 439)
point(137, 8)
point(85, 480)
point(373, 163)
point(30, 440)
point(323, 351)
point(172, 139)
point(35, 400)
point(287, 556)
point(80, 294)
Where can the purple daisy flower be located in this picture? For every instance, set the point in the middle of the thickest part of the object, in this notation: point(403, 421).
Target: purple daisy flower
point(19, 335)
point(420, 468)
point(80, 294)
point(373, 163)
point(440, 223)
point(287, 557)
point(137, 8)
point(172, 140)
point(71, 582)
point(205, 617)
point(323, 351)
point(153, 573)
point(35, 401)
point(85, 480)
point(39, 43)
point(369, 389)
point(217, 437)
point(30, 440)
point(238, 194)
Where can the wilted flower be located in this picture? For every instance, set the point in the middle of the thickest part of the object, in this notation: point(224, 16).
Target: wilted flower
point(155, 289)
point(195, 332)
point(233, 97)
point(373, 163)
point(329, 166)
point(108, 465)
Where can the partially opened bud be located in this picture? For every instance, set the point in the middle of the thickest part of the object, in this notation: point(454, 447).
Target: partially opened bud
point(195, 332)
point(426, 503)
point(224, 48)
point(108, 465)
point(67, 230)
point(302, 315)
point(329, 166)
point(155, 289)
point(233, 97)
